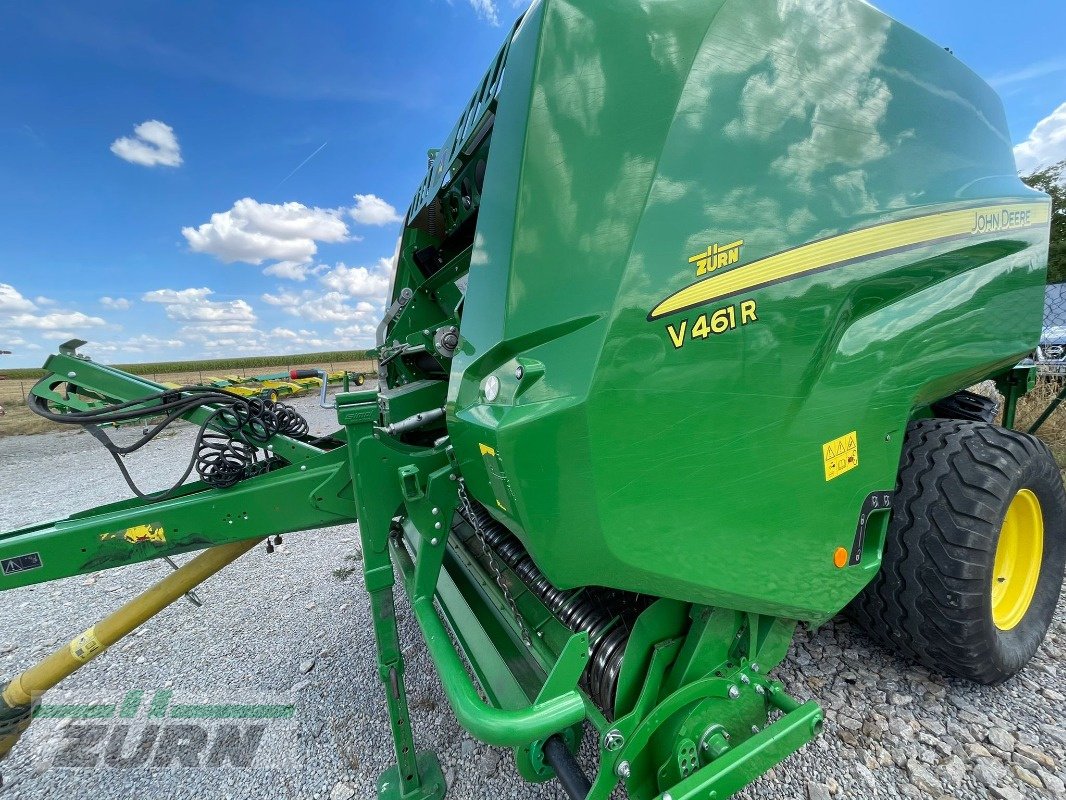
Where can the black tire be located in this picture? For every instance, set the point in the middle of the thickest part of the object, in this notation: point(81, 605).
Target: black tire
point(932, 598)
point(967, 405)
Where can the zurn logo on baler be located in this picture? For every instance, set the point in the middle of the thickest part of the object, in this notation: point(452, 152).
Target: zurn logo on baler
point(717, 256)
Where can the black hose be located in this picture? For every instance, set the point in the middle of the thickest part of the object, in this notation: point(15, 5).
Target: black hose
point(221, 459)
point(574, 782)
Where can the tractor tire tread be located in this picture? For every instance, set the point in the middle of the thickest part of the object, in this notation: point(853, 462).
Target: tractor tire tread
point(930, 599)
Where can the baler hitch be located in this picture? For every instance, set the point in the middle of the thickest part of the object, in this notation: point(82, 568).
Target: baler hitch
point(20, 696)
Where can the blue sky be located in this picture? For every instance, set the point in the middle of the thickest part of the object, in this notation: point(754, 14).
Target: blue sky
point(203, 179)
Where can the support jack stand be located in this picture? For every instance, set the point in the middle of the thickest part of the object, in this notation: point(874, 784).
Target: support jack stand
point(431, 784)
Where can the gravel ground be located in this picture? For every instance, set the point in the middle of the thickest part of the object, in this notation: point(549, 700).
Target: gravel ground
point(293, 628)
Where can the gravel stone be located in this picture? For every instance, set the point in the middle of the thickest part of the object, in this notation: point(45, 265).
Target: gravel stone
point(1006, 793)
point(922, 777)
point(920, 735)
point(954, 771)
point(1039, 756)
point(490, 762)
point(988, 772)
point(1053, 783)
point(342, 791)
point(1025, 776)
point(1001, 739)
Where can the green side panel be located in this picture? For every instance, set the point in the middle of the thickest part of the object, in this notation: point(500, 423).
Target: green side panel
point(636, 452)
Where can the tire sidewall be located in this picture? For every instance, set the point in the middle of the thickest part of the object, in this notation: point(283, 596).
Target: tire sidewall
point(1015, 647)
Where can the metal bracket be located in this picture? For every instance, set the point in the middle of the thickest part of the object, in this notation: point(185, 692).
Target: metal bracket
point(394, 311)
point(70, 347)
point(874, 503)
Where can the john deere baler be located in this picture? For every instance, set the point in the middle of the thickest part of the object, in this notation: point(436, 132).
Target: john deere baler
point(674, 357)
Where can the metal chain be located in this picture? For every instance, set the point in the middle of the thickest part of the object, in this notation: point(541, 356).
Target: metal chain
point(468, 510)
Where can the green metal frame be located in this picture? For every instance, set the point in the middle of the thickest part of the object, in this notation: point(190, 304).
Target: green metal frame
point(405, 499)
point(1014, 385)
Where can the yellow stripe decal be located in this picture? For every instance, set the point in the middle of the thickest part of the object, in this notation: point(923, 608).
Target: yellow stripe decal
point(855, 245)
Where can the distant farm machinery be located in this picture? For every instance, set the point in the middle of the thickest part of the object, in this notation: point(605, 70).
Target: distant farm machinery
point(282, 385)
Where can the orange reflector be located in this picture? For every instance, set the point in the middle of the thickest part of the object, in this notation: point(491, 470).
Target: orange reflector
point(840, 558)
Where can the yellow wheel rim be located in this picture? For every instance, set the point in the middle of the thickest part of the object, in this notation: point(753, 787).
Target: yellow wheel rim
point(1019, 555)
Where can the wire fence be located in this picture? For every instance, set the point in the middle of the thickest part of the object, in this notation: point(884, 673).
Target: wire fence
point(1050, 356)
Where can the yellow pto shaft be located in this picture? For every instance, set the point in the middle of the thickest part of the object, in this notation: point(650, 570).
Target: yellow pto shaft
point(19, 695)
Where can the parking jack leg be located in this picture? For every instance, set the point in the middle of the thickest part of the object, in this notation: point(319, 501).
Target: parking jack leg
point(415, 776)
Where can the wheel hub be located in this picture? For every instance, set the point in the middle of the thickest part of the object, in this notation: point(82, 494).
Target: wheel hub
point(1018, 558)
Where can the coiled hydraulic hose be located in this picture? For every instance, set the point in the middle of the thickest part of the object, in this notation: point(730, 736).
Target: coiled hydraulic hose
point(227, 445)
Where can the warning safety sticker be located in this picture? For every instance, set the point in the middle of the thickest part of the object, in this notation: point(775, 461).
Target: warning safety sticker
point(86, 646)
point(840, 455)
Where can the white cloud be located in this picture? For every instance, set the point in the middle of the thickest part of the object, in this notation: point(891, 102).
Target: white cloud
point(153, 143)
point(20, 312)
point(209, 311)
point(254, 232)
point(41, 300)
point(487, 10)
point(353, 300)
point(369, 209)
point(285, 299)
point(209, 331)
point(137, 344)
point(301, 340)
point(249, 339)
point(359, 334)
point(1039, 69)
point(293, 270)
point(205, 320)
point(114, 303)
point(11, 300)
point(10, 340)
point(57, 321)
point(322, 307)
point(365, 282)
point(176, 295)
point(1046, 144)
point(287, 233)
